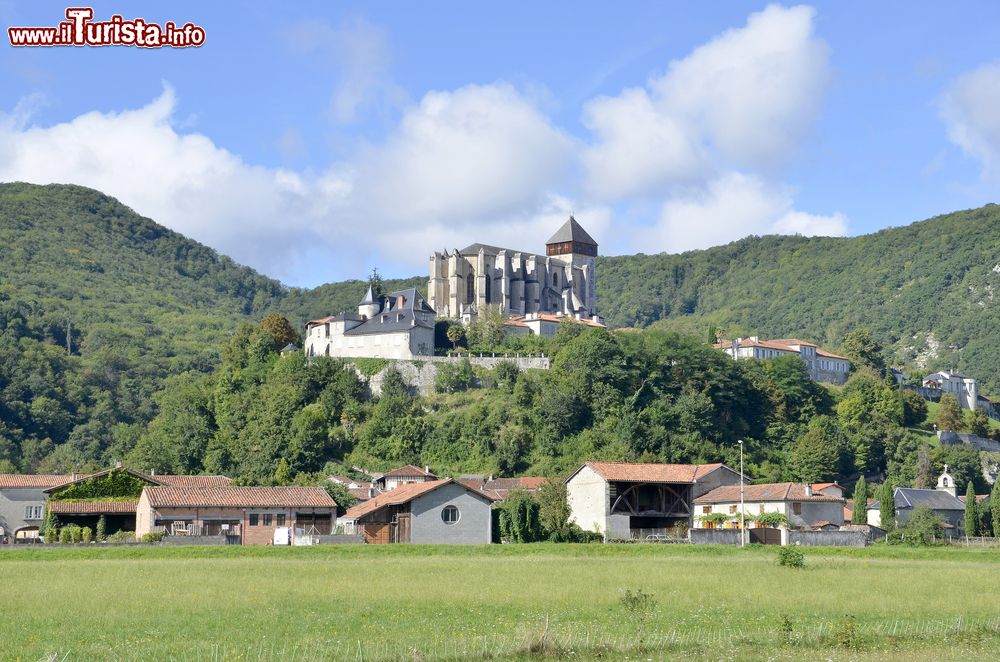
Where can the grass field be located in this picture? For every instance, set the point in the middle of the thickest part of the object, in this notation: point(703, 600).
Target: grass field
point(501, 602)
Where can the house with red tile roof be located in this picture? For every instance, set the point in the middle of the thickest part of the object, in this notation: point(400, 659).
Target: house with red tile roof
point(823, 366)
point(499, 488)
point(403, 476)
point(247, 515)
point(624, 500)
point(801, 506)
point(442, 511)
point(547, 324)
point(22, 504)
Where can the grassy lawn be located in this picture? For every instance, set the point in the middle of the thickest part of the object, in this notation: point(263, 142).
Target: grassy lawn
point(502, 602)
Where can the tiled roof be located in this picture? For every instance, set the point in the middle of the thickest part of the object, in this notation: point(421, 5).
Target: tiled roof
point(322, 320)
point(92, 507)
point(407, 471)
point(239, 497)
point(794, 341)
point(652, 473)
point(362, 493)
point(781, 345)
point(764, 492)
point(552, 317)
point(830, 355)
point(192, 481)
point(27, 481)
point(500, 488)
point(404, 494)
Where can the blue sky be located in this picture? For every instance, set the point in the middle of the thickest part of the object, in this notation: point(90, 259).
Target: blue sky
point(316, 140)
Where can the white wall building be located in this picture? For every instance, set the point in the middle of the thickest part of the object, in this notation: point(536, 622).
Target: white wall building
point(965, 389)
point(800, 504)
point(823, 366)
point(397, 326)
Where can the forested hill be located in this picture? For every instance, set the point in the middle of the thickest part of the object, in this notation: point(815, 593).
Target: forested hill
point(925, 290)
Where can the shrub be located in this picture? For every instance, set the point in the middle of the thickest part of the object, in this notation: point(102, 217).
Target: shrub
point(122, 536)
point(86, 534)
point(791, 557)
point(153, 536)
point(574, 533)
point(924, 527)
point(51, 535)
point(637, 603)
point(102, 529)
point(76, 533)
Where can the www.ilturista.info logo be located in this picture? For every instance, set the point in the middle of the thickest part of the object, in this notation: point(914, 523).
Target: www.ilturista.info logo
point(81, 30)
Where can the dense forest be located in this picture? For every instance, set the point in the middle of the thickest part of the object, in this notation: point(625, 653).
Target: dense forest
point(122, 340)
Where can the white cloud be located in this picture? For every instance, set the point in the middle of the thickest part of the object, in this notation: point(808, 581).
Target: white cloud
point(969, 108)
point(732, 206)
point(745, 98)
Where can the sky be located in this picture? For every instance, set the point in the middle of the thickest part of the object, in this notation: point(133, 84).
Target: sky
point(314, 141)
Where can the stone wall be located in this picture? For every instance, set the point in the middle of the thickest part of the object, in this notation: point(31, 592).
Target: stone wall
point(714, 536)
point(195, 540)
point(420, 373)
point(828, 538)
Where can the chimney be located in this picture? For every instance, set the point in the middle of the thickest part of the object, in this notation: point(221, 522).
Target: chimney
point(72, 476)
point(809, 490)
point(371, 492)
point(427, 468)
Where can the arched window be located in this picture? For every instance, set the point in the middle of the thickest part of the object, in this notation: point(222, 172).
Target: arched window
point(555, 280)
point(470, 287)
point(489, 288)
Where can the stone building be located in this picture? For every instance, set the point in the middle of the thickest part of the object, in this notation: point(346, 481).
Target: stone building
point(823, 366)
point(520, 283)
point(942, 500)
point(965, 389)
point(397, 326)
point(801, 504)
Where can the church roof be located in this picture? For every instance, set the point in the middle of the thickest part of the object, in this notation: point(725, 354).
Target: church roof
point(473, 249)
point(571, 231)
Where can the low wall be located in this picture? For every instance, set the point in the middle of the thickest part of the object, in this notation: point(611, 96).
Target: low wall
point(194, 540)
point(714, 536)
point(341, 539)
point(828, 538)
point(419, 373)
point(948, 438)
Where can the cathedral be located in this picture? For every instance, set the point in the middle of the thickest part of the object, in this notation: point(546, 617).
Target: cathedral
point(521, 284)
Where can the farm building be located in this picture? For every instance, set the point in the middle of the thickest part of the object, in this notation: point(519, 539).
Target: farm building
point(114, 494)
point(247, 514)
point(621, 500)
point(801, 506)
point(438, 511)
point(22, 504)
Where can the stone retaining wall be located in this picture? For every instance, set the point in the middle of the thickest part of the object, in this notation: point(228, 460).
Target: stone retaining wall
point(419, 373)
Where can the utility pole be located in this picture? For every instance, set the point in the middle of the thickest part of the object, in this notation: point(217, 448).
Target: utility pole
point(743, 535)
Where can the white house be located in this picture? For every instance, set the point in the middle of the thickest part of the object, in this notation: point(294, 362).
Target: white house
point(403, 476)
point(622, 500)
point(397, 326)
point(547, 324)
point(823, 366)
point(801, 505)
point(965, 389)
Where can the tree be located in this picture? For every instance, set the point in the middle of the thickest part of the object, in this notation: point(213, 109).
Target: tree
point(455, 333)
point(924, 478)
point(553, 507)
point(487, 330)
point(979, 424)
point(375, 282)
point(887, 506)
point(283, 474)
point(859, 514)
point(924, 526)
point(949, 416)
point(863, 350)
point(280, 330)
point(340, 494)
point(971, 521)
point(454, 377)
point(995, 507)
point(102, 529)
point(914, 408)
point(818, 454)
point(519, 518)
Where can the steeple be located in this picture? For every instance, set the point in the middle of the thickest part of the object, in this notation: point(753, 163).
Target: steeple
point(368, 307)
point(946, 482)
point(571, 238)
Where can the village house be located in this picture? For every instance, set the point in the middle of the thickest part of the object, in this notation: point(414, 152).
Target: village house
point(942, 500)
point(965, 389)
point(403, 476)
point(247, 515)
point(361, 490)
point(113, 494)
point(823, 366)
point(499, 489)
point(621, 500)
point(437, 511)
point(547, 324)
point(800, 505)
point(22, 504)
point(397, 326)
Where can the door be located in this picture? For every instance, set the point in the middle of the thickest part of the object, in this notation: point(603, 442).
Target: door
point(403, 527)
point(765, 536)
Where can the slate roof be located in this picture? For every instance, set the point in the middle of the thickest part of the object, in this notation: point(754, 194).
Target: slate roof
point(650, 473)
point(907, 497)
point(28, 481)
point(397, 317)
point(767, 492)
point(473, 249)
point(239, 497)
point(93, 507)
point(571, 231)
point(404, 494)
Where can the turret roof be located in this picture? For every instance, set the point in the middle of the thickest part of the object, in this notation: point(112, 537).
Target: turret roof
point(571, 231)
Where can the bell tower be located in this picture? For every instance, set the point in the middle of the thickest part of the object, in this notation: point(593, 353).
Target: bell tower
point(572, 245)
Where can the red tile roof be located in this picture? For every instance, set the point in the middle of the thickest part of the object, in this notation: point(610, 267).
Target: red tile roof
point(92, 507)
point(404, 494)
point(830, 355)
point(500, 488)
point(793, 341)
point(192, 481)
point(764, 492)
point(323, 320)
point(552, 317)
point(239, 497)
point(408, 471)
point(27, 481)
point(651, 473)
point(781, 344)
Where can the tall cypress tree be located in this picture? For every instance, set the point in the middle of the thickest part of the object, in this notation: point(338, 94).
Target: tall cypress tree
point(887, 506)
point(995, 508)
point(859, 514)
point(971, 512)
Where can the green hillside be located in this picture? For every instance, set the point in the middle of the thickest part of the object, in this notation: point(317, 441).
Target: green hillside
point(926, 290)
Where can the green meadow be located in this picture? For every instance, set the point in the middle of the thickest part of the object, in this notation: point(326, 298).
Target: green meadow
point(498, 602)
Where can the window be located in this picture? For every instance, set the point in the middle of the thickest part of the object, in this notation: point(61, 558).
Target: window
point(732, 510)
point(470, 287)
point(281, 519)
point(797, 508)
point(555, 280)
point(450, 515)
point(254, 519)
point(706, 510)
point(267, 519)
point(32, 512)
